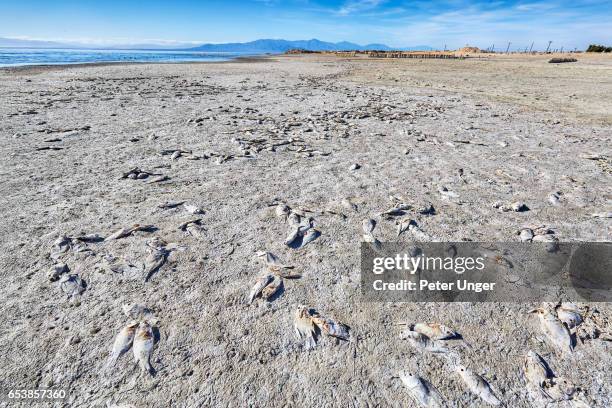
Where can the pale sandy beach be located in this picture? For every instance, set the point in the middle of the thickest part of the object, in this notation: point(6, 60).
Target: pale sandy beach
point(289, 129)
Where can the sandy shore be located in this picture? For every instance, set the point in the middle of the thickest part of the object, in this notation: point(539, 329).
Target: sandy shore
point(286, 129)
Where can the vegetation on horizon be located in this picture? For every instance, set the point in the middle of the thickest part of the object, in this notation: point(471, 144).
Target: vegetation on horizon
point(598, 48)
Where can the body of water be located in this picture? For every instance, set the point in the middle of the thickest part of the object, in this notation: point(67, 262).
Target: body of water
point(20, 56)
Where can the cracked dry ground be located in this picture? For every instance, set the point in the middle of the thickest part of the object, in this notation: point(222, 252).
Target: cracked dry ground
point(254, 134)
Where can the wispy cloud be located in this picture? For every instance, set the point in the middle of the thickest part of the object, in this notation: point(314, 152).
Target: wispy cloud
point(356, 6)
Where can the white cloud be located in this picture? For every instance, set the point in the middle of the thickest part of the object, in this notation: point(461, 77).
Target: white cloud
point(355, 6)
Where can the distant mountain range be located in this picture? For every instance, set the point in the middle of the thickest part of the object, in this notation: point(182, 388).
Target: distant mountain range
point(279, 46)
point(264, 46)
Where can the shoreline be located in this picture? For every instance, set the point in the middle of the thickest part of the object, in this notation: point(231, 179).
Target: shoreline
point(60, 66)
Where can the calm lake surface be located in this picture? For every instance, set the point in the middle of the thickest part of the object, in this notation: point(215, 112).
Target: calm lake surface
point(25, 56)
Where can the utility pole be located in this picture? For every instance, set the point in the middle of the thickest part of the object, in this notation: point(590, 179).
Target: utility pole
point(531, 48)
point(508, 49)
point(493, 48)
point(548, 48)
point(561, 50)
point(444, 47)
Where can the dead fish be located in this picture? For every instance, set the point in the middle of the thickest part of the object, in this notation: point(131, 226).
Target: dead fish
point(294, 233)
point(260, 284)
point(607, 214)
point(139, 312)
point(435, 331)
point(561, 389)
point(127, 231)
point(170, 204)
point(304, 327)
point(193, 209)
point(123, 342)
point(56, 271)
point(519, 207)
point(272, 288)
point(143, 346)
point(282, 211)
point(399, 209)
point(418, 232)
point(62, 244)
point(569, 314)
point(375, 243)
point(175, 155)
point(155, 260)
point(72, 285)
point(536, 373)
point(421, 391)
point(478, 385)
point(368, 226)
point(553, 198)
point(157, 179)
point(331, 328)
point(346, 203)
point(526, 235)
point(554, 329)
point(446, 193)
point(310, 235)
point(422, 342)
point(193, 228)
point(293, 219)
point(403, 225)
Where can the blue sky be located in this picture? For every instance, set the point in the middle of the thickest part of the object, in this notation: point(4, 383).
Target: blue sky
point(393, 22)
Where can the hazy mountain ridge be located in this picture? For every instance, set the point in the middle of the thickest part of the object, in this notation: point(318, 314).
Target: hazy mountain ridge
point(257, 46)
point(279, 45)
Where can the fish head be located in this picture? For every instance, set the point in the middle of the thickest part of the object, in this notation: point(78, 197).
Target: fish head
point(447, 331)
point(539, 311)
point(408, 378)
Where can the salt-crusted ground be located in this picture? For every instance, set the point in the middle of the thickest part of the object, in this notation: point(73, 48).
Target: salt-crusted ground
point(289, 129)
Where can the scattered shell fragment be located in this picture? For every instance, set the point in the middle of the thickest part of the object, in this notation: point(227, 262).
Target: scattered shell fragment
point(421, 390)
point(478, 385)
point(143, 346)
point(422, 342)
point(554, 330)
point(123, 342)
